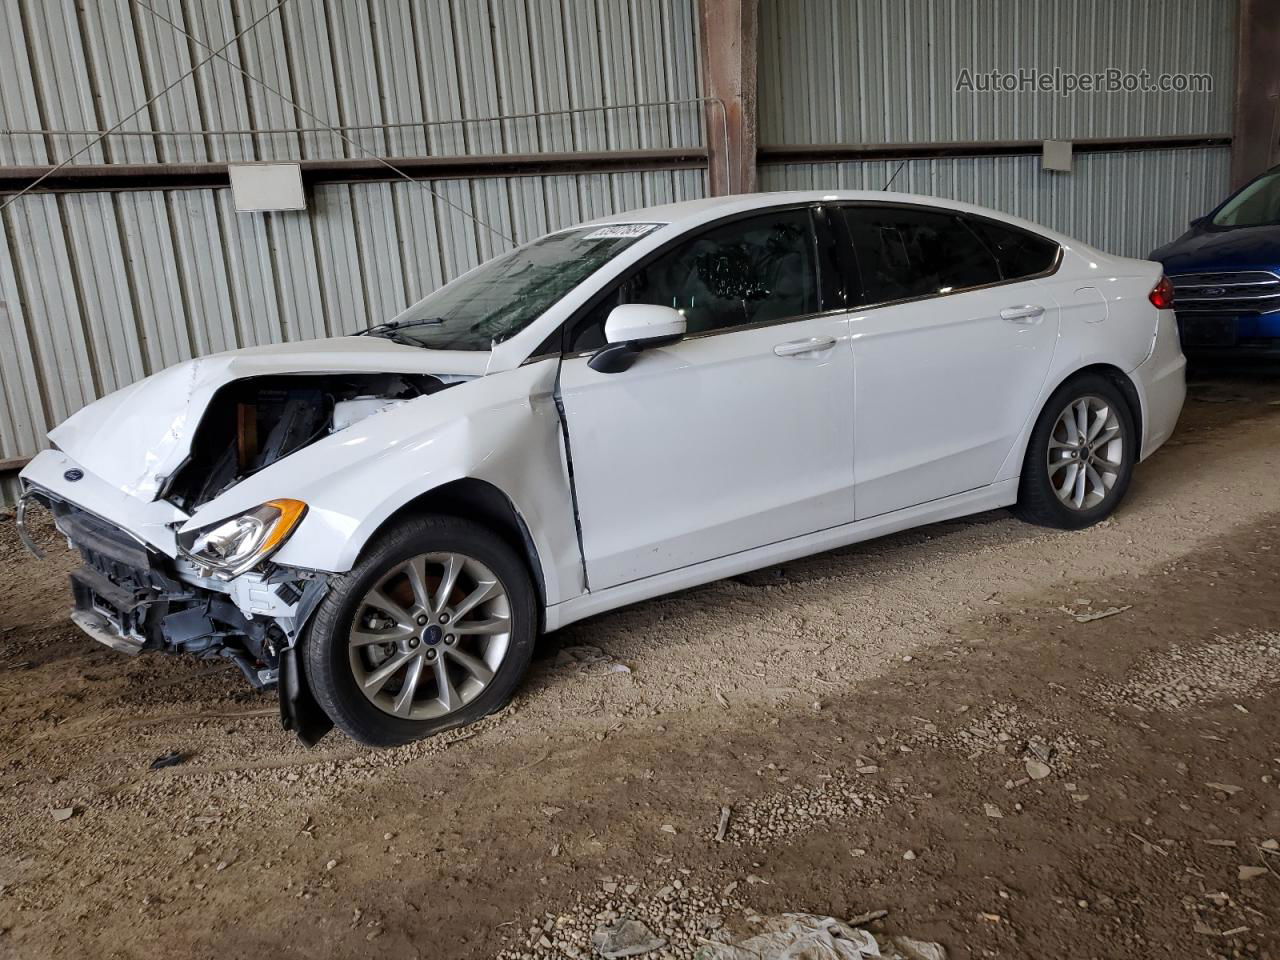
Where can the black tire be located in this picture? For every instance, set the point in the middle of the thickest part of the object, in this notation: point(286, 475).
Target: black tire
point(1037, 501)
point(327, 651)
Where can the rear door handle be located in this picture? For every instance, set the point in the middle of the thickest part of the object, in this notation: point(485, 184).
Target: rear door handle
point(793, 348)
point(1027, 313)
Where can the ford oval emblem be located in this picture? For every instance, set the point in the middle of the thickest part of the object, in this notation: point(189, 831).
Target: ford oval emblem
point(1214, 291)
point(72, 475)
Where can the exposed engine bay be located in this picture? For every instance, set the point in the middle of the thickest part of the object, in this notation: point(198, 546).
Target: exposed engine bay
point(134, 598)
point(252, 423)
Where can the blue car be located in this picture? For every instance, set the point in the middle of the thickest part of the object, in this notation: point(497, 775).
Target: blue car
point(1226, 274)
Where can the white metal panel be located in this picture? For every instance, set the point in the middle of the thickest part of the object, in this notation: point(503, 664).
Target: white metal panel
point(348, 64)
point(61, 76)
point(102, 275)
point(221, 88)
point(885, 71)
point(43, 264)
point(115, 63)
point(308, 30)
point(202, 260)
point(380, 253)
point(337, 260)
point(165, 56)
point(22, 418)
point(265, 56)
point(18, 107)
point(162, 315)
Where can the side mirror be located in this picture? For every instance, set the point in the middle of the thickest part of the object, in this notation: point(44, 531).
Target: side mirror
point(631, 328)
point(1198, 222)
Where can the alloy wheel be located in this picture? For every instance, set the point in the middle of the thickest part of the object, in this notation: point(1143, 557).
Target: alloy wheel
point(1086, 453)
point(430, 635)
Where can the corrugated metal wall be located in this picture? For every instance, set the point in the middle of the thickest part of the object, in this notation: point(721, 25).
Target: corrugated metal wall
point(66, 65)
point(99, 289)
point(884, 71)
point(1126, 203)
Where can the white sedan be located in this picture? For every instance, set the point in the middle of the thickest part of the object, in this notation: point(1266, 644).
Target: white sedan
point(381, 525)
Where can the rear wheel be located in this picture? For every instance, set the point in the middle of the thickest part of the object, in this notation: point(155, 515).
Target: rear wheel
point(431, 630)
point(1080, 456)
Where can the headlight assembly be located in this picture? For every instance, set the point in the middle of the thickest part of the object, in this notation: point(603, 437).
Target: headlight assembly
point(230, 547)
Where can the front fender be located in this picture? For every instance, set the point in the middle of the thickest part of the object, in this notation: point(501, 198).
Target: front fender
point(503, 429)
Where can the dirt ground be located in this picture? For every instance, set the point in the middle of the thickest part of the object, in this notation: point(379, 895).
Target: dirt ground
point(1017, 742)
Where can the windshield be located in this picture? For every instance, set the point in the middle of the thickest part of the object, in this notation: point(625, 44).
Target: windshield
point(500, 298)
point(1255, 205)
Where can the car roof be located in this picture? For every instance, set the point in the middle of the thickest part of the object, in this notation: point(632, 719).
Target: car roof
point(689, 213)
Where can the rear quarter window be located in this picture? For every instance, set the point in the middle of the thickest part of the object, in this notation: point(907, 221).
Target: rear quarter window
point(1019, 254)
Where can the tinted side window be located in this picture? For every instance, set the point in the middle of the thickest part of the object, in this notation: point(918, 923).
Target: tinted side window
point(1019, 254)
point(746, 271)
point(905, 252)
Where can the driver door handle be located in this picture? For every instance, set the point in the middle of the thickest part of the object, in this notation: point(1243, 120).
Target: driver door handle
point(793, 348)
point(1027, 313)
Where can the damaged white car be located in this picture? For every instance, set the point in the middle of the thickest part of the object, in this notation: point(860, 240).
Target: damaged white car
point(380, 525)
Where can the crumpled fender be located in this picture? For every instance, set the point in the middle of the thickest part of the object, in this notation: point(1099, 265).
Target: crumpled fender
point(502, 428)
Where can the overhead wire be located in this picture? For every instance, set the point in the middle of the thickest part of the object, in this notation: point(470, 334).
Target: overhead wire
point(106, 133)
point(336, 131)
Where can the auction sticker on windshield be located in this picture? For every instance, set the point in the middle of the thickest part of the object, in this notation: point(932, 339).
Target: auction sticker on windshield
point(617, 230)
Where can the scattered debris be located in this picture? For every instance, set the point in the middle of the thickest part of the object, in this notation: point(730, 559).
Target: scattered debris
point(1208, 931)
point(1251, 873)
point(168, 760)
point(1037, 769)
point(1230, 789)
point(803, 936)
point(1040, 749)
point(667, 828)
point(589, 659)
point(723, 828)
point(624, 938)
point(1154, 847)
point(862, 919)
point(800, 809)
point(1089, 615)
point(1232, 668)
point(62, 813)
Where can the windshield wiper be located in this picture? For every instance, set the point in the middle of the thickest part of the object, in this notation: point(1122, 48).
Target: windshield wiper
point(383, 329)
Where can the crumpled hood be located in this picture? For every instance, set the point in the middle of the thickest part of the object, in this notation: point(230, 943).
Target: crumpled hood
point(136, 437)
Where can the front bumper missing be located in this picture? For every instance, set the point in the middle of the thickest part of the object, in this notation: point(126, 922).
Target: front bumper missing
point(101, 628)
point(132, 598)
point(24, 534)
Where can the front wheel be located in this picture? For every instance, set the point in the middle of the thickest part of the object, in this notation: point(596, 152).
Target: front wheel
point(431, 630)
point(1080, 456)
